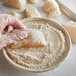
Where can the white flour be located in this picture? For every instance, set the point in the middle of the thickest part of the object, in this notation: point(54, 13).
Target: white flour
point(41, 58)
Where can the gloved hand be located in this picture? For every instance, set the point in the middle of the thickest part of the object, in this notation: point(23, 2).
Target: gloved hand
point(15, 34)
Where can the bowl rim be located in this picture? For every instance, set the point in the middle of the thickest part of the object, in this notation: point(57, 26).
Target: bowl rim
point(43, 70)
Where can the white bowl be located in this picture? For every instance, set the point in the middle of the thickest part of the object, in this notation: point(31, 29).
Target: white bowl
point(52, 23)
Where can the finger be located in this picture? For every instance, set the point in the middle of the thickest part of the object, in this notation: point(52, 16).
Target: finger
point(6, 20)
point(17, 35)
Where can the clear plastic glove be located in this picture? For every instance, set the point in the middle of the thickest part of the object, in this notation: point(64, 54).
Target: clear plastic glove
point(16, 33)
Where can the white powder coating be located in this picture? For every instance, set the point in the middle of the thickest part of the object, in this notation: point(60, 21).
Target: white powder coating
point(71, 28)
point(35, 39)
point(35, 1)
point(41, 58)
point(52, 8)
point(32, 12)
point(19, 4)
